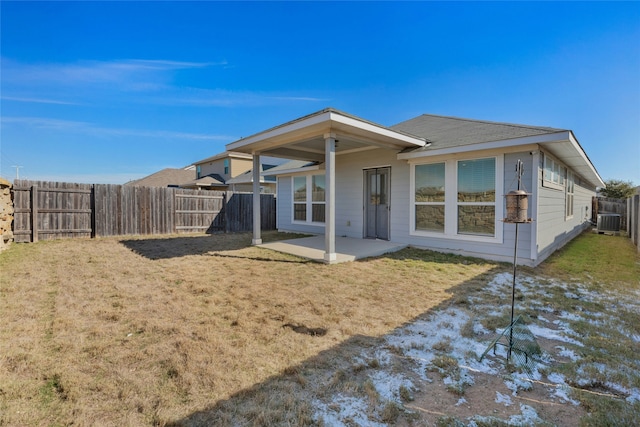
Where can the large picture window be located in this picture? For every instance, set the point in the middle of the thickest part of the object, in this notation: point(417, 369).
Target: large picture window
point(309, 198)
point(457, 199)
point(477, 196)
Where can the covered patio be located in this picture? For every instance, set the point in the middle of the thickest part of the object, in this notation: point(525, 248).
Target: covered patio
point(347, 249)
point(320, 137)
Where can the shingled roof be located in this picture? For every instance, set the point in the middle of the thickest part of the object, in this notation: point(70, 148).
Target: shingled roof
point(447, 132)
point(168, 177)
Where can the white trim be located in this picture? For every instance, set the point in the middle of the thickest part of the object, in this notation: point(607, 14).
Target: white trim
point(298, 171)
point(319, 124)
point(451, 202)
point(533, 203)
point(516, 143)
point(308, 201)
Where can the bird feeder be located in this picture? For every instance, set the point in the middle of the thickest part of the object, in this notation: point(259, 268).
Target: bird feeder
point(517, 206)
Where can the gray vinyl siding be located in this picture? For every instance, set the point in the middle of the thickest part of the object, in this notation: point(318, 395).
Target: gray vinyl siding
point(284, 211)
point(527, 184)
point(554, 229)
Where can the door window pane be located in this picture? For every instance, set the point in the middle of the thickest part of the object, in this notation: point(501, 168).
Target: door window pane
point(382, 188)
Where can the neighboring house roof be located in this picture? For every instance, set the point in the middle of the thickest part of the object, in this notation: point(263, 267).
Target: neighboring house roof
point(445, 132)
point(247, 177)
point(165, 178)
point(206, 181)
point(224, 155)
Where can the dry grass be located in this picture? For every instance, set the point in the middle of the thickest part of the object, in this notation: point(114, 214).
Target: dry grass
point(189, 330)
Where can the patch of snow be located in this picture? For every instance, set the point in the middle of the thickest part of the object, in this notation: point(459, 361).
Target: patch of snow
point(570, 316)
point(461, 401)
point(564, 352)
point(561, 393)
point(556, 378)
point(635, 337)
point(503, 398)
point(528, 417)
point(388, 385)
point(344, 410)
point(552, 335)
point(478, 329)
point(571, 295)
point(516, 383)
point(543, 319)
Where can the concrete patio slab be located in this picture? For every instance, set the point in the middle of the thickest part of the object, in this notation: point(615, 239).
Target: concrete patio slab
point(347, 249)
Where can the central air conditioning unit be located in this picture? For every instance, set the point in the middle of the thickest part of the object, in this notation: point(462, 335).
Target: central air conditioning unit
point(608, 223)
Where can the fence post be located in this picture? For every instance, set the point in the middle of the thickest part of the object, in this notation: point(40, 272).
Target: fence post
point(34, 213)
point(92, 206)
point(225, 209)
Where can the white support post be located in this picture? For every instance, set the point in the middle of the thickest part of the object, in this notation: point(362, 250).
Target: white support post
point(257, 238)
point(330, 199)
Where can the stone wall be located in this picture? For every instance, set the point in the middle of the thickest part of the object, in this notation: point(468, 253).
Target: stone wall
point(6, 214)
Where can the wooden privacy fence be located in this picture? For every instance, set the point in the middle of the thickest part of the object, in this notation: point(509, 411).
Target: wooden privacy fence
point(50, 210)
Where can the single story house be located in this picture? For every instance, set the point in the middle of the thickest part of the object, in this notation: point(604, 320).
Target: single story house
point(431, 182)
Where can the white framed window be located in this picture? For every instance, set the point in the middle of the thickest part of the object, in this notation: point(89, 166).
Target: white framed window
point(569, 191)
point(457, 199)
point(553, 173)
point(476, 199)
point(429, 197)
point(309, 198)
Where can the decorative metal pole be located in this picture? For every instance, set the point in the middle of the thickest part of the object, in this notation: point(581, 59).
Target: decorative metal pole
point(517, 219)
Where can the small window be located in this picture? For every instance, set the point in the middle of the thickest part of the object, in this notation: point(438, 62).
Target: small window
point(226, 166)
point(554, 173)
point(569, 194)
point(198, 172)
point(309, 198)
point(300, 198)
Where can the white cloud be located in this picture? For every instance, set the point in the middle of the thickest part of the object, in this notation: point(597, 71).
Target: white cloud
point(89, 128)
point(37, 100)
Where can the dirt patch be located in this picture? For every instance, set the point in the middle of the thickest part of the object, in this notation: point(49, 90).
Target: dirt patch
point(301, 329)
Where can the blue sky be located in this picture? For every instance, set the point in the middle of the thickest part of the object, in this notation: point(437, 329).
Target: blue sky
point(106, 92)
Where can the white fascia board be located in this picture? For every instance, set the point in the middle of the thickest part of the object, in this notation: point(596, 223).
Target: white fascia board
point(385, 132)
point(320, 124)
point(279, 131)
point(535, 139)
point(293, 171)
point(576, 145)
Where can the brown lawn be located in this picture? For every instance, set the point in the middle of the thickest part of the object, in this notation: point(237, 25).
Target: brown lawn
point(198, 328)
